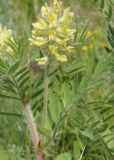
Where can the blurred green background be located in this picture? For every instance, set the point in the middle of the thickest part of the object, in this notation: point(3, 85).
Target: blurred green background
point(19, 14)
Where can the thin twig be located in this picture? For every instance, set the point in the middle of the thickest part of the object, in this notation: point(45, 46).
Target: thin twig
point(82, 152)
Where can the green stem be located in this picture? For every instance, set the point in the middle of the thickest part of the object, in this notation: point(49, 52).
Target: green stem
point(45, 109)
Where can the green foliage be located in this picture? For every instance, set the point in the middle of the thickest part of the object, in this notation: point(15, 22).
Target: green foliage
point(110, 35)
point(105, 7)
point(80, 98)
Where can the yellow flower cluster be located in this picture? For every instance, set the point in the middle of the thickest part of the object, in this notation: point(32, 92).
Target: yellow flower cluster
point(5, 35)
point(53, 30)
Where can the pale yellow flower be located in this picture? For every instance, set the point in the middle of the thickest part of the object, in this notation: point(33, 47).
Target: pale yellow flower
point(53, 49)
point(52, 35)
point(5, 35)
point(42, 61)
point(68, 49)
point(53, 30)
point(61, 58)
point(67, 16)
point(57, 6)
point(40, 41)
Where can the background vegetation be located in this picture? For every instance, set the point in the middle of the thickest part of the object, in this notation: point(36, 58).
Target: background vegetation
point(81, 99)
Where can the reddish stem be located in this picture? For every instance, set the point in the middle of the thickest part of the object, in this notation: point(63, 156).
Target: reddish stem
point(33, 130)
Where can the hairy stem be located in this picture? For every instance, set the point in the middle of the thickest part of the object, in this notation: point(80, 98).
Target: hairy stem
point(33, 130)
